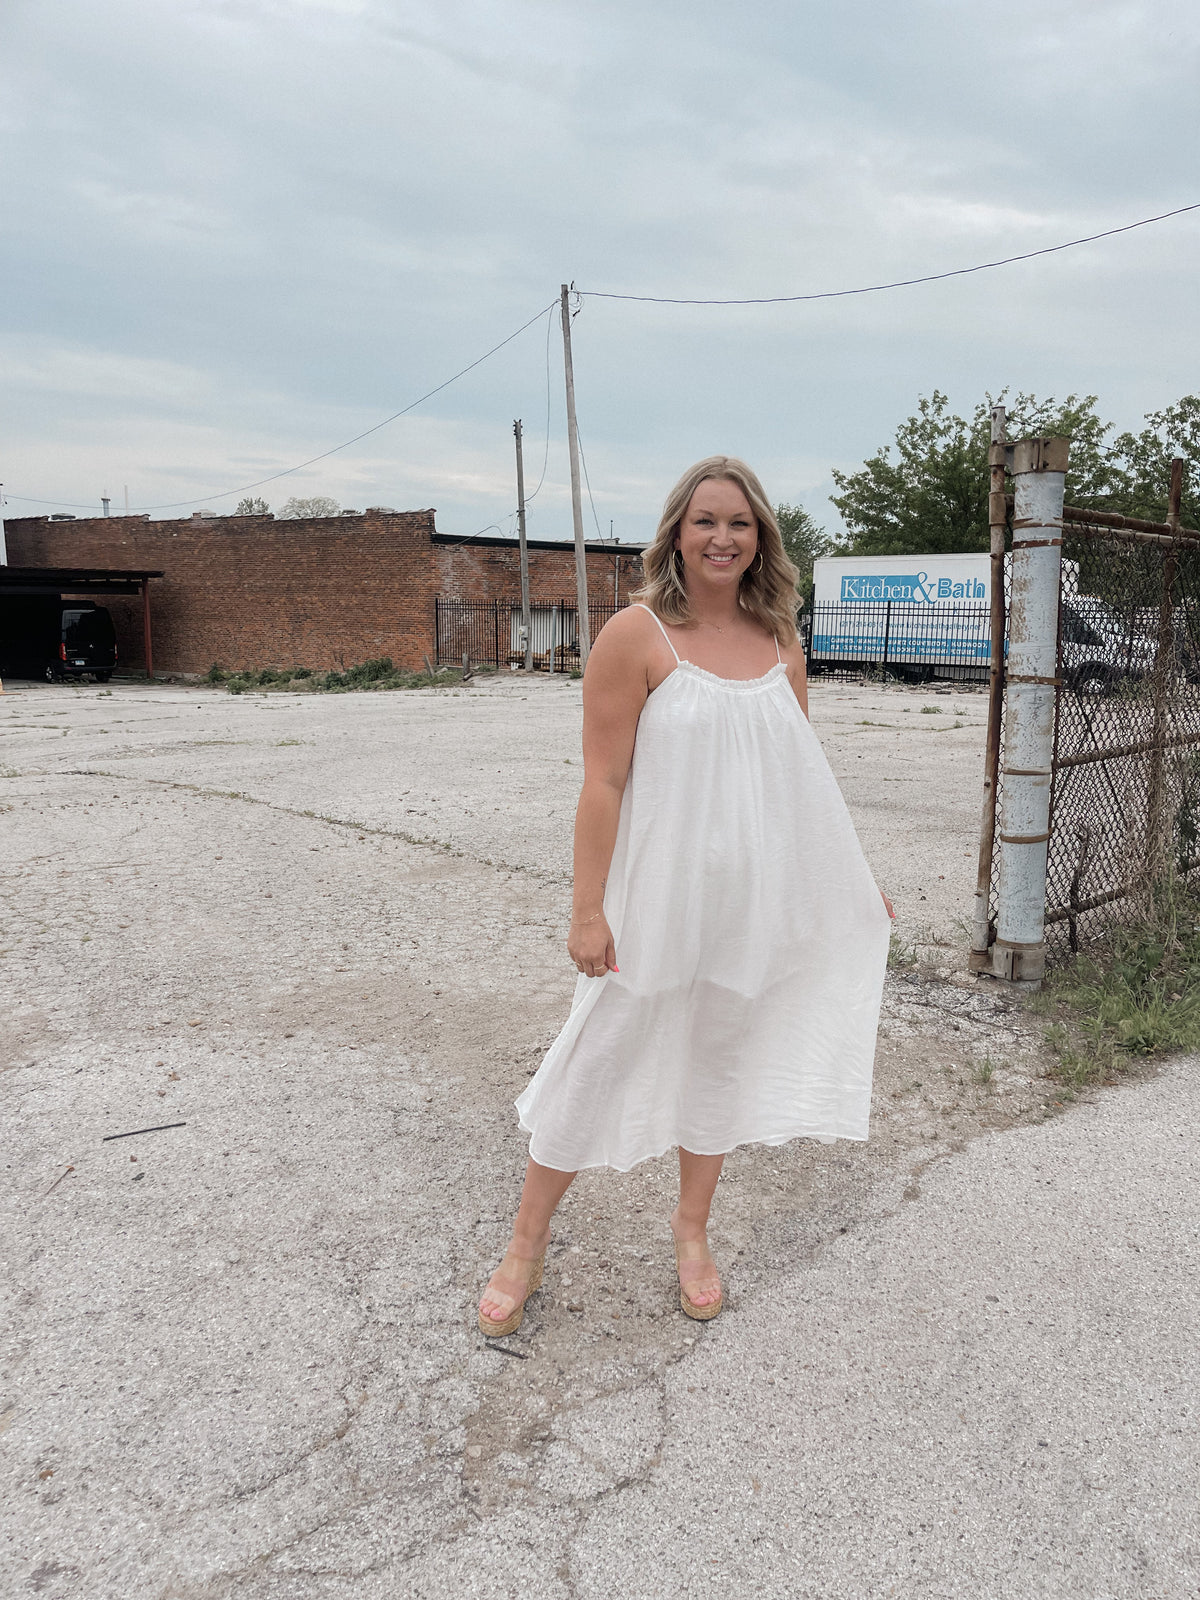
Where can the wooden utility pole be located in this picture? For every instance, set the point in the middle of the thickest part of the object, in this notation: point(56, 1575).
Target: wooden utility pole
point(581, 594)
point(526, 630)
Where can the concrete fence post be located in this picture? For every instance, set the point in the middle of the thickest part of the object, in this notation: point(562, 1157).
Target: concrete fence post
point(1039, 468)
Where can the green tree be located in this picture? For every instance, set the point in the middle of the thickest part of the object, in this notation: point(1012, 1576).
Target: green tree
point(319, 505)
point(1143, 461)
point(251, 506)
point(930, 496)
point(804, 541)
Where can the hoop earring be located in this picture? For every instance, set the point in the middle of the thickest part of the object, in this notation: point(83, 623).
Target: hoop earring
point(754, 570)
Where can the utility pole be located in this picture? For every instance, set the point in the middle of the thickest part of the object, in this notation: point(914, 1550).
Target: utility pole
point(3, 545)
point(581, 594)
point(526, 630)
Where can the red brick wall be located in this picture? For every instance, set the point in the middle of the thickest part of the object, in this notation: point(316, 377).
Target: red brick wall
point(327, 592)
point(491, 572)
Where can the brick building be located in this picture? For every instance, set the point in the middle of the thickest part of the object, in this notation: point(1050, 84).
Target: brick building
point(253, 592)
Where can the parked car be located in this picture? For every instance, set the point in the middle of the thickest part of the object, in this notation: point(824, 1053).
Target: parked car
point(1100, 650)
point(44, 636)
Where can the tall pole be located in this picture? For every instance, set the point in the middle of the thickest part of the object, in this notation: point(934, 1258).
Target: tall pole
point(3, 545)
point(526, 633)
point(581, 595)
point(1039, 467)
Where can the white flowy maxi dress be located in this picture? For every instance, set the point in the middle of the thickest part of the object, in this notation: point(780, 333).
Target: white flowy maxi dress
point(751, 941)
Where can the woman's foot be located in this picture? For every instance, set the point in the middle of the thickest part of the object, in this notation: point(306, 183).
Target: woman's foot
point(503, 1303)
point(699, 1282)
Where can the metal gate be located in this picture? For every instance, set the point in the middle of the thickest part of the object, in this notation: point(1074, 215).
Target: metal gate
point(1092, 777)
point(1125, 799)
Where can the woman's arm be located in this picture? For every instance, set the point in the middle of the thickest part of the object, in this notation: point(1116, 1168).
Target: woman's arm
point(797, 673)
point(615, 687)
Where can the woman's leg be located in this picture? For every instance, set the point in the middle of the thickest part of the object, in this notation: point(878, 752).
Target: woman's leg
point(689, 1222)
point(544, 1188)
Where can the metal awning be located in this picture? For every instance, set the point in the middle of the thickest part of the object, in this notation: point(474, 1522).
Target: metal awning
point(84, 581)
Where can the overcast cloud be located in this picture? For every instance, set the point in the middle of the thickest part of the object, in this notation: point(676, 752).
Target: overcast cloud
point(237, 232)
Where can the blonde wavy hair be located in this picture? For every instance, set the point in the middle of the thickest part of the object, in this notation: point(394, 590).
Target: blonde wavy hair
point(768, 593)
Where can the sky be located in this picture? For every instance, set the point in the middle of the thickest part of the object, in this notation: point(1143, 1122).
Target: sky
point(236, 233)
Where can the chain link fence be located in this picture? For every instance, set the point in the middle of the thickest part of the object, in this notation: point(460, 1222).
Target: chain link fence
point(1125, 798)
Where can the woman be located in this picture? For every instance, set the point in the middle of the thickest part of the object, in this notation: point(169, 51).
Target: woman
point(729, 938)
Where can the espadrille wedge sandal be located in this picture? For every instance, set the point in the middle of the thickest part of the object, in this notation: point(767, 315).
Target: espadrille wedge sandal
point(691, 1257)
point(520, 1280)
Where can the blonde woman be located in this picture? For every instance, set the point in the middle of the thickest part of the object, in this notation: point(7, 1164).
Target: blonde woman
point(728, 935)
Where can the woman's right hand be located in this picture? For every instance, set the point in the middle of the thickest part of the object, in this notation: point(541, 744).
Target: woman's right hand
point(590, 946)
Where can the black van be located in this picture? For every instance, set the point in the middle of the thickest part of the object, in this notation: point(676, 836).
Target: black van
point(44, 636)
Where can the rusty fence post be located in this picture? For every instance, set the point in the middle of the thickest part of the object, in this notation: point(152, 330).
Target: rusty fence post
point(1039, 469)
point(981, 931)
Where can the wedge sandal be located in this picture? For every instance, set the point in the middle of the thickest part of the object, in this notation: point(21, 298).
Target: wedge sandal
point(694, 1252)
point(510, 1283)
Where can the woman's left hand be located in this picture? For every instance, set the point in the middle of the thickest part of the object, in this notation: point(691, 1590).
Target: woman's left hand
point(891, 910)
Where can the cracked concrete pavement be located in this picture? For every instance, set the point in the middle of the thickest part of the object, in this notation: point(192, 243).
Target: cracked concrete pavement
point(325, 934)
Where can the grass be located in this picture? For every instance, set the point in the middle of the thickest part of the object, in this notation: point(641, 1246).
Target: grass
point(932, 711)
point(374, 675)
point(1135, 995)
point(900, 955)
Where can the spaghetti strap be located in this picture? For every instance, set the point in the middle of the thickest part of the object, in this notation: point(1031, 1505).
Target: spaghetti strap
point(662, 630)
point(778, 657)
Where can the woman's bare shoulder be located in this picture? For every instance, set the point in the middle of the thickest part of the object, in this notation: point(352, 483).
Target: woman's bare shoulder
point(793, 654)
point(624, 650)
point(632, 629)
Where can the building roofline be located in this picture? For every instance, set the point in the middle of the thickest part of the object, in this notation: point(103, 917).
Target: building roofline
point(498, 541)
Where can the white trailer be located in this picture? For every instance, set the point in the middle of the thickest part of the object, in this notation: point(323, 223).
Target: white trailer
point(917, 616)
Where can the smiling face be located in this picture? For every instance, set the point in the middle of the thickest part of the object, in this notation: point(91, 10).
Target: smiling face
point(718, 535)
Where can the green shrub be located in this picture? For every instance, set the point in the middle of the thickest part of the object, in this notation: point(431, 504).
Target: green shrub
point(1135, 994)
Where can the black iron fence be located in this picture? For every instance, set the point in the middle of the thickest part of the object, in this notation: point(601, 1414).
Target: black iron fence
point(489, 632)
point(898, 639)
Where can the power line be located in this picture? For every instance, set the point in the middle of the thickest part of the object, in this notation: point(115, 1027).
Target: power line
point(245, 488)
point(901, 283)
point(598, 294)
point(546, 453)
point(588, 482)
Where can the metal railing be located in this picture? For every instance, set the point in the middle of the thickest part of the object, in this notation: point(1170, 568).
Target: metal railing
point(899, 639)
point(489, 632)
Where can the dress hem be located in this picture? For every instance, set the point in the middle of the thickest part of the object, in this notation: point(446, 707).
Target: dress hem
point(673, 1144)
